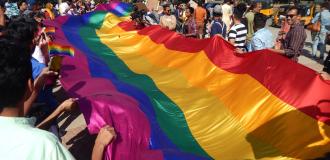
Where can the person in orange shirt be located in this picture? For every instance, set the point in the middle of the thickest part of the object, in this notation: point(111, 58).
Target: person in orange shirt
point(49, 11)
point(200, 16)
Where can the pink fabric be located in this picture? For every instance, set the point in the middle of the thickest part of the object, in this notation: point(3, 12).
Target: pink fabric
point(102, 104)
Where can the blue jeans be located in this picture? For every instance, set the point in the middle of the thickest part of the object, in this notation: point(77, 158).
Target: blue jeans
point(319, 41)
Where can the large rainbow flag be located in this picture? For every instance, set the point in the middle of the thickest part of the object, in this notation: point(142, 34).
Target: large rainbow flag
point(171, 97)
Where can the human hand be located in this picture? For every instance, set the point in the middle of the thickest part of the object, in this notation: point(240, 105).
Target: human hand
point(47, 38)
point(325, 76)
point(69, 104)
point(239, 51)
point(46, 72)
point(105, 136)
point(41, 79)
point(277, 47)
point(43, 40)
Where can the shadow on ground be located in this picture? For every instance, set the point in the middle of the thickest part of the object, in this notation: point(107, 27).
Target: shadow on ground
point(285, 135)
point(82, 145)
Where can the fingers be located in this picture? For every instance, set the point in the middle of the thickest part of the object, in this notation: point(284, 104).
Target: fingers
point(47, 72)
point(239, 51)
point(52, 73)
point(73, 99)
point(69, 104)
point(110, 129)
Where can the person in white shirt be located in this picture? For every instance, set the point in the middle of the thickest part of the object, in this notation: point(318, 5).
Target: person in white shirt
point(237, 33)
point(64, 7)
point(167, 20)
point(227, 12)
point(262, 37)
point(19, 139)
point(150, 18)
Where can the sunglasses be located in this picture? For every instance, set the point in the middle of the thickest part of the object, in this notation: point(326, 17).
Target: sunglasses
point(290, 15)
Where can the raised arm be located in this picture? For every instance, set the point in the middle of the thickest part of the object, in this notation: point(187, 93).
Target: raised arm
point(105, 136)
point(67, 105)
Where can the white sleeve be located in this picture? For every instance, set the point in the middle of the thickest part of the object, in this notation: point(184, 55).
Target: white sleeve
point(60, 152)
point(37, 54)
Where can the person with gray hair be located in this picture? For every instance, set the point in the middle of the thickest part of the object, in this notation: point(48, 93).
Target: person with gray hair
point(217, 9)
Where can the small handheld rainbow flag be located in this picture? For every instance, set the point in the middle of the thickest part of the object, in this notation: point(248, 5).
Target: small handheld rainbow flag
point(50, 30)
point(56, 49)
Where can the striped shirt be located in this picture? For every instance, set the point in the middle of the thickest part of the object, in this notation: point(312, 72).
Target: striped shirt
point(294, 41)
point(238, 33)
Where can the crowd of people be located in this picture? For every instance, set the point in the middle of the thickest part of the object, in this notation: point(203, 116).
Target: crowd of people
point(242, 25)
point(27, 79)
point(51, 10)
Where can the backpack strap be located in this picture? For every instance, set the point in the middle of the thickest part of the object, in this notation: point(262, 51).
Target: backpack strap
point(222, 26)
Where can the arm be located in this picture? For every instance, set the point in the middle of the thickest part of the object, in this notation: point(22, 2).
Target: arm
point(105, 136)
point(38, 85)
point(232, 41)
point(293, 46)
point(67, 105)
point(325, 76)
point(161, 23)
point(257, 44)
point(44, 47)
point(277, 51)
point(232, 36)
point(316, 18)
point(28, 103)
point(2, 17)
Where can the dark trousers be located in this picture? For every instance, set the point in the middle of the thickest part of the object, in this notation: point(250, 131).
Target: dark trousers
point(327, 64)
